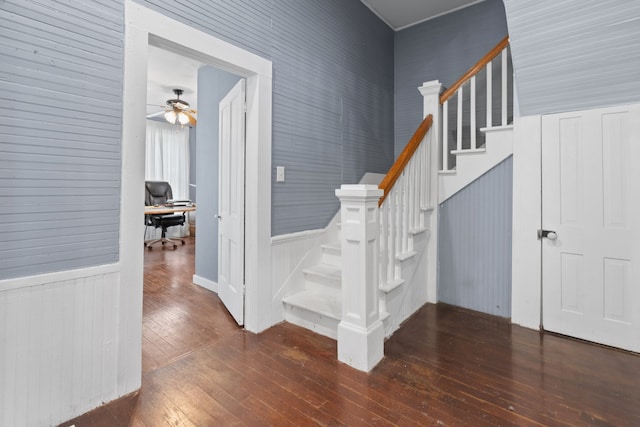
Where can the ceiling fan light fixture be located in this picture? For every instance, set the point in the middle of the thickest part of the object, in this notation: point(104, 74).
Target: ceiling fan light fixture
point(170, 116)
point(182, 118)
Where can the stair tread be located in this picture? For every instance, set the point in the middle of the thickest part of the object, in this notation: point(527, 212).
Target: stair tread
point(336, 246)
point(418, 230)
point(325, 270)
point(390, 286)
point(406, 255)
point(323, 301)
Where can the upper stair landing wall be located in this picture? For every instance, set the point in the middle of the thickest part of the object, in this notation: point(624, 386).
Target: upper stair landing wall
point(440, 49)
point(472, 164)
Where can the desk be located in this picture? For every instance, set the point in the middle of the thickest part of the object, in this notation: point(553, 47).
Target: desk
point(164, 210)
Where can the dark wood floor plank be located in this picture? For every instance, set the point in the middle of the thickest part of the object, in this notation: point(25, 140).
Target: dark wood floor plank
point(446, 366)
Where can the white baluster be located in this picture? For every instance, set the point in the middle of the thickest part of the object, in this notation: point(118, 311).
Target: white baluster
point(405, 213)
point(420, 178)
point(504, 87)
point(398, 227)
point(489, 95)
point(391, 253)
point(427, 171)
point(460, 96)
point(472, 125)
point(384, 243)
point(445, 137)
point(411, 184)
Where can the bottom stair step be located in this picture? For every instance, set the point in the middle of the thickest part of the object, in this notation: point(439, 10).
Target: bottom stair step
point(318, 310)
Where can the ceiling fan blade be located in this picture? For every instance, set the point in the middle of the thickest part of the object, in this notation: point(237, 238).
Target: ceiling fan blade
point(192, 120)
point(159, 113)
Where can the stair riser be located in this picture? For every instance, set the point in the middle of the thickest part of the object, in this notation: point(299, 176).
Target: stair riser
point(315, 322)
point(317, 280)
point(332, 258)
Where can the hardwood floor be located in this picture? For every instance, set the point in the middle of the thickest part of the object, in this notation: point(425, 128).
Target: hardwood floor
point(446, 367)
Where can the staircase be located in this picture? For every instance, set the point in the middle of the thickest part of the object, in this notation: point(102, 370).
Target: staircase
point(318, 306)
point(421, 178)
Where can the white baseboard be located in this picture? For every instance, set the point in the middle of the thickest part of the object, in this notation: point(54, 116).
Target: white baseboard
point(205, 283)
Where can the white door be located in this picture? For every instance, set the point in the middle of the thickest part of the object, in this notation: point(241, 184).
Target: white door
point(591, 200)
point(231, 202)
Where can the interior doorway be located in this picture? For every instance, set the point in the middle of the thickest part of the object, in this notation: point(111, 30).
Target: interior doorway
point(145, 27)
point(178, 316)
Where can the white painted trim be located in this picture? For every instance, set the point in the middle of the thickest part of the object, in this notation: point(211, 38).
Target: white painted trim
point(496, 128)
point(299, 235)
point(469, 151)
point(526, 273)
point(60, 276)
point(205, 283)
point(143, 27)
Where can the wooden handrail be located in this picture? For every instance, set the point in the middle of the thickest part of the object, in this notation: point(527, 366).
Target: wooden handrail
point(474, 70)
point(396, 170)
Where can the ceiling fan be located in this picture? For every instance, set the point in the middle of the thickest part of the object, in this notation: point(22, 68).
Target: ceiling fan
point(178, 111)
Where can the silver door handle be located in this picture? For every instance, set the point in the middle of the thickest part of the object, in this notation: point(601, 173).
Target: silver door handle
point(547, 234)
point(218, 217)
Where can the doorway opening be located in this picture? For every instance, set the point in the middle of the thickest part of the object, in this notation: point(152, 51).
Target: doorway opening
point(178, 317)
point(145, 27)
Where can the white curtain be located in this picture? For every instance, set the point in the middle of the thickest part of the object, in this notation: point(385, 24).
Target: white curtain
point(167, 159)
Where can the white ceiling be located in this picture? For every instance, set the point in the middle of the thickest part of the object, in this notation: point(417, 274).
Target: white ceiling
point(167, 70)
point(399, 14)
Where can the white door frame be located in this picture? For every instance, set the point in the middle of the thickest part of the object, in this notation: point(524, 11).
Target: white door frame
point(526, 302)
point(142, 28)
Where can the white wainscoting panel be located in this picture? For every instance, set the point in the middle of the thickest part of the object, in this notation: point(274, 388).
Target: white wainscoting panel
point(58, 345)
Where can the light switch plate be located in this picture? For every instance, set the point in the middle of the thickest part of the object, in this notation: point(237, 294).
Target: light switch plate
point(279, 173)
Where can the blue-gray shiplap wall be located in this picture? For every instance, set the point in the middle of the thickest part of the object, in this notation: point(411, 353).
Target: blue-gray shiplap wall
point(60, 128)
point(442, 48)
point(474, 244)
point(332, 93)
point(574, 54)
point(60, 125)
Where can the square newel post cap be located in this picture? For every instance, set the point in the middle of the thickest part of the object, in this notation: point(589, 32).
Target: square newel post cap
point(434, 87)
point(359, 191)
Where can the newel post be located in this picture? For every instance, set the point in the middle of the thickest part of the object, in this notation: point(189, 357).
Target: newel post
point(431, 105)
point(360, 332)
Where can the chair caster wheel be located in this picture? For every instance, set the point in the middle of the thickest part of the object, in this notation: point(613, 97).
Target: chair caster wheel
point(175, 247)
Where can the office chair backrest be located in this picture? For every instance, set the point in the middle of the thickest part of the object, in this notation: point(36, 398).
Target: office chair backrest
point(157, 192)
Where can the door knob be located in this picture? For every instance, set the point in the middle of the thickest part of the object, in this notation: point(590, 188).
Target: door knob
point(218, 217)
point(547, 234)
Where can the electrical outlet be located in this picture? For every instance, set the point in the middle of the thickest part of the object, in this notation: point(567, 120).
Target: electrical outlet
point(279, 173)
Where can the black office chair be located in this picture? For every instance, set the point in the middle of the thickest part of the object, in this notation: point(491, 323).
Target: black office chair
point(158, 193)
